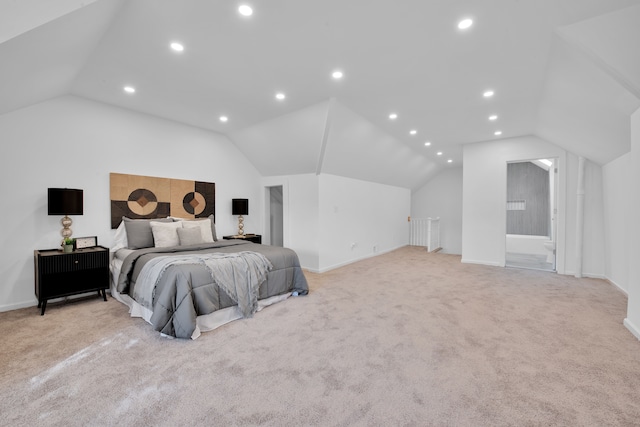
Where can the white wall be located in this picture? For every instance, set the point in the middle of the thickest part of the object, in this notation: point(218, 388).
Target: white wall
point(484, 198)
point(593, 263)
point(359, 219)
point(616, 181)
point(72, 142)
point(301, 223)
point(485, 191)
point(633, 237)
point(442, 197)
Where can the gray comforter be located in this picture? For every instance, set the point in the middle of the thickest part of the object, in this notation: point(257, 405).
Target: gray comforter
point(186, 291)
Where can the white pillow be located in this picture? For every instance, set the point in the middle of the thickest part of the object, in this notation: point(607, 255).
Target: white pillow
point(205, 228)
point(120, 238)
point(165, 234)
point(189, 236)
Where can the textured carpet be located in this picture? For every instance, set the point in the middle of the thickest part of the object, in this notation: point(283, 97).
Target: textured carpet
point(405, 338)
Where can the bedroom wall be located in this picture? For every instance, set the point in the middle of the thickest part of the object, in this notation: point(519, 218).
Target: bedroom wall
point(442, 197)
point(484, 198)
point(72, 142)
point(632, 321)
point(300, 215)
point(616, 178)
point(593, 262)
point(360, 219)
point(485, 190)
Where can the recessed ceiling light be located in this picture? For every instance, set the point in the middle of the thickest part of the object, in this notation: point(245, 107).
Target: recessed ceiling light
point(245, 10)
point(413, 132)
point(280, 96)
point(393, 116)
point(337, 74)
point(449, 161)
point(224, 118)
point(498, 133)
point(177, 47)
point(427, 144)
point(439, 153)
point(465, 23)
point(488, 93)
point(494, 117)
point(129, 89)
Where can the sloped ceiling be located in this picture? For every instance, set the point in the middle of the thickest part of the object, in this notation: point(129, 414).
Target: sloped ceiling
point(298, 137)
point(44, 61)
point(593, 86)
point(564, 70)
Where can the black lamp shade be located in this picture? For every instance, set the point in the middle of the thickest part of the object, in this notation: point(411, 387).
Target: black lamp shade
point(65, 201)
point(239, 206)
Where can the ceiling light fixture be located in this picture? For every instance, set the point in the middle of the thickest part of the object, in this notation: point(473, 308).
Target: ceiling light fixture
point(337, 74)
point(224, 118)
point(413, 132)
point(393, 116)
point(498, 133)
point(488, 93)
point(450, 161)
point(245, 10)
point(439, 153)
point(129, 89)
point(177, 47)
point(465, 23)
point(280, 96)
point(494, 117)
point(427, 144)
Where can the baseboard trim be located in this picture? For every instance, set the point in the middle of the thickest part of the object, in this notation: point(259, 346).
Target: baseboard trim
point(632, 328)
point(18, 306)
point(586, 275)
point(34, 303)
point(473, 261)
point(620, 288)
point(367, 256)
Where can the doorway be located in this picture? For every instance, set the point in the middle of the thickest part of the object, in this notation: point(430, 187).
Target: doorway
point(276, 216)
point(531, 214)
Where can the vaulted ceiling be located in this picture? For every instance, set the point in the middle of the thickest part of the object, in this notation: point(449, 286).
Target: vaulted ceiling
point(564, 70)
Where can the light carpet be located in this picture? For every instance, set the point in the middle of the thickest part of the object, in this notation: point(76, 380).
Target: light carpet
point(407, 338)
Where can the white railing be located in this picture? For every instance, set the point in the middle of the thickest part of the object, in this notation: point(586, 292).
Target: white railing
point(425, 232)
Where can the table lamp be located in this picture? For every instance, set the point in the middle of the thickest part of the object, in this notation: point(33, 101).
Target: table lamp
point(240, 207)
point(65, 201)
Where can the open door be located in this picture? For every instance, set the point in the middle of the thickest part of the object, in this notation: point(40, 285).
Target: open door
point(276, 216)
point(531, 214)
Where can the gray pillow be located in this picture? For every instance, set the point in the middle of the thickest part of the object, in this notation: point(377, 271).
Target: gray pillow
point(139, 234)
point(189, 236)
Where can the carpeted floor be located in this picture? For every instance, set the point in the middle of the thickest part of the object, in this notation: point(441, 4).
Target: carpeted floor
point(405, 338)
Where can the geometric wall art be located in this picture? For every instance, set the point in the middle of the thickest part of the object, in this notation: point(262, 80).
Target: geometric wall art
point(136, 196)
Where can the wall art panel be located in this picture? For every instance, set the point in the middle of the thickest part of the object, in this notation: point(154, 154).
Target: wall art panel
point(147, 197)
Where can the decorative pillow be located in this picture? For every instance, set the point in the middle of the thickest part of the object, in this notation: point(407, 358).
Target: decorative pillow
point(208, 235)
point(189, 236)
point(139, 233)
point(203, 226)
point(165, 234)
point(119, 238)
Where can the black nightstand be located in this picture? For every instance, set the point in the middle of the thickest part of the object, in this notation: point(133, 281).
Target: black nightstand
point(255, 238)
point(59, 274)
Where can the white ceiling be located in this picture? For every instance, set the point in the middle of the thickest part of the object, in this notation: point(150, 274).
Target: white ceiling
point(564, 70)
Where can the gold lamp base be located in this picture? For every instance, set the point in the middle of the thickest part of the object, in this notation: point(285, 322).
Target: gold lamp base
point(66, 227)
point(240, 225)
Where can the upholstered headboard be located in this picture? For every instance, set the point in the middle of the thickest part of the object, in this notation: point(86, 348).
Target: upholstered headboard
point(136, 196)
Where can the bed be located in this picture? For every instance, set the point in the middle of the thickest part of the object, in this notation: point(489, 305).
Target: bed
point(181, 279)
